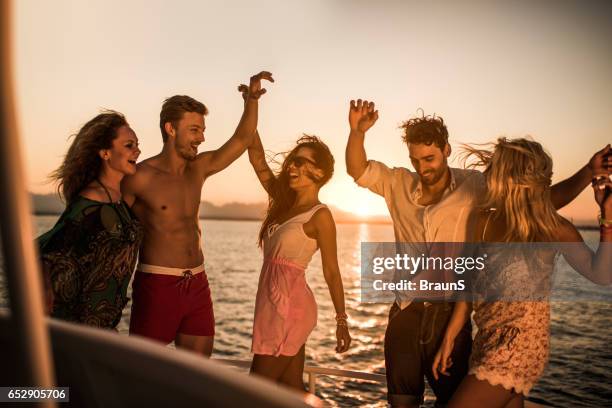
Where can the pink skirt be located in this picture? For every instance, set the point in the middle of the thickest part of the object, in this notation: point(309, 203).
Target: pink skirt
point(285, 309)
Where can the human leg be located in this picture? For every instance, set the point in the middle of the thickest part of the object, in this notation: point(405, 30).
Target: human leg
point(155, 307)
point(475, 393)
point(197, 328)
point(294, 373)
point(270, 367)
point(405, 383)
point(200, 344)
point(435, 321)
point(517, 402)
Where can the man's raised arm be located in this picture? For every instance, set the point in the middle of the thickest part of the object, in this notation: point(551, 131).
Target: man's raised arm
point(567, 190)
point(362, 117)
point(216, 160)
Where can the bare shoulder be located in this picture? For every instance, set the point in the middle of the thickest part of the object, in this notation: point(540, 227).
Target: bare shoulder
point(136, 185)
point(567, 232)
point(323, 218)
point(203, 160)
point(144, 171)
point(201, 157)
point(94, 192)
point(148, 166)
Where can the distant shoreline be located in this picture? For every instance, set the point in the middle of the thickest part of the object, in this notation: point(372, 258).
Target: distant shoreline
point(49, 214)
point(345, 221)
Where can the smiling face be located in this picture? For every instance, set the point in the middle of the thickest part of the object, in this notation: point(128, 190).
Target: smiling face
point(124, 151)
point(188, 134)
point(429, 161)
point(302, 170)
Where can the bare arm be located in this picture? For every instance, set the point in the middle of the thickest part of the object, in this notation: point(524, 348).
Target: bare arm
point(257, 157)
point(214, 161)
point(567, 190)
point(129, 187)
point(326, 240)
point(362, 117)
point(461, 314)
point(462, 310)
point(593, 266)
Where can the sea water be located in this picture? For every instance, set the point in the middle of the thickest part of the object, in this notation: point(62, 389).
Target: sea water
point(579, 373)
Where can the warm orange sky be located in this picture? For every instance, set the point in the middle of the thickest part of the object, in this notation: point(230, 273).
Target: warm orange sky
point(489, 68)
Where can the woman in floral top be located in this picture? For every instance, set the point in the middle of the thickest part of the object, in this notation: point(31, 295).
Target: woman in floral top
point(89, 255)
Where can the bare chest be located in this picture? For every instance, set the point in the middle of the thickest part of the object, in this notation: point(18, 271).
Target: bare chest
point(172, 196)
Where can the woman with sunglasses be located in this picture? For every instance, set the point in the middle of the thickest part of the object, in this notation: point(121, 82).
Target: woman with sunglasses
point(295, 227)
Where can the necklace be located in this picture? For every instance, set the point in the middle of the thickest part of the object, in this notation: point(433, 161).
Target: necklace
point(110, 198)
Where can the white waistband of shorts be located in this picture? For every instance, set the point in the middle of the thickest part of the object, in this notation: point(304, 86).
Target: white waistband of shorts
point(164, 270)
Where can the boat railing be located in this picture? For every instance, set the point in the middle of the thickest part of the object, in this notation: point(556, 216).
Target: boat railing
point(313, 371)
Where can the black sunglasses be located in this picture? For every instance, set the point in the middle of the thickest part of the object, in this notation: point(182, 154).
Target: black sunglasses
point(299, 161)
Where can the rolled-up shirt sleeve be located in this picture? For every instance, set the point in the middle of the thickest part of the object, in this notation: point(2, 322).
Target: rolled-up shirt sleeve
point(377, 177)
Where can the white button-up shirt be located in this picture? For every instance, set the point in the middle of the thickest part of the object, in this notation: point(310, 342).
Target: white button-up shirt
point(445, 221)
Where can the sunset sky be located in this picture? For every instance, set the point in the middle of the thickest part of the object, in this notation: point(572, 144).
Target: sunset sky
point(488, 68)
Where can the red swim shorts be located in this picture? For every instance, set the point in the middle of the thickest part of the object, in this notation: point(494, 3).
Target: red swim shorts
point(164, 306)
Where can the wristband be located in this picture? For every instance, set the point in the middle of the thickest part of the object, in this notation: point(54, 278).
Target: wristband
point(341, 319)
point(605, 222)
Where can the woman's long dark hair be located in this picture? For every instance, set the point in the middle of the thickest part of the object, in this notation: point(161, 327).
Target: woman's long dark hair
point(82, 164)
point(282, 197)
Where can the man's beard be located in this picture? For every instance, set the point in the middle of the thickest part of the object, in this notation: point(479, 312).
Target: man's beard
point(186, 153)
point(432, 177)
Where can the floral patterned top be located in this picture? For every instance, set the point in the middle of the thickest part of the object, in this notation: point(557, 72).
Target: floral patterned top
point(90, 255)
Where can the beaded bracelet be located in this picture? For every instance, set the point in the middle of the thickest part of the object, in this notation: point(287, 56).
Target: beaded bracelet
point(341, 319)
point(341, 323)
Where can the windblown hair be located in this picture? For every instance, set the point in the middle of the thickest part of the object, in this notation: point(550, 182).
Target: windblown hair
point(425, 130)
point(82, 164)
point(173, 109)
point(518, 174)
point(283, 197)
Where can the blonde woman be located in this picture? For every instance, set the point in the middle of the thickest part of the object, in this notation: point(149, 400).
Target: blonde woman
point(511, 347)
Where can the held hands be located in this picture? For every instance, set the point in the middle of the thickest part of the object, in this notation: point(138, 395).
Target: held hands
point(362, 115)
point(442, 362)
point(244, 90)
point(254, 90)
point(600, 166)
point(602, 186)
point(601, 162)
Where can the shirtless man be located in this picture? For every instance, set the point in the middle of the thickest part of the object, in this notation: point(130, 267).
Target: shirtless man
point(171, 296)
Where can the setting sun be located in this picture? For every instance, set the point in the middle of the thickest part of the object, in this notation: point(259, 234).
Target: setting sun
point(361, 203)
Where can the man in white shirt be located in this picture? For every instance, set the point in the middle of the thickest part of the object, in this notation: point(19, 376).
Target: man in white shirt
point(431, 204)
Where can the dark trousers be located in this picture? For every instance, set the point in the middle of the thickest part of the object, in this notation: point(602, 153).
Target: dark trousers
point(412, 340)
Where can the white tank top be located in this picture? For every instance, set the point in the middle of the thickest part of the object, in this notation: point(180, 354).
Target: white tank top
point(289, 241)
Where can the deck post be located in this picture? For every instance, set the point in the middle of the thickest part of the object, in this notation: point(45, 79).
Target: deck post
point(312, 380)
